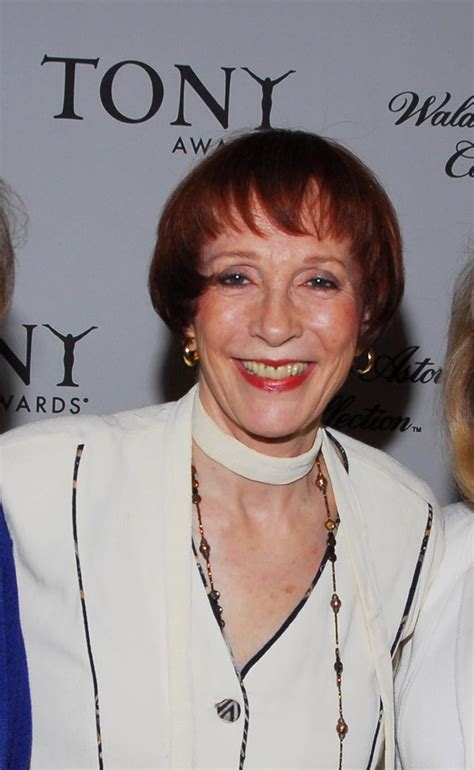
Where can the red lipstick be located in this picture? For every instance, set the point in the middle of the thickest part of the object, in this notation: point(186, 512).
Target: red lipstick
point(274, 386)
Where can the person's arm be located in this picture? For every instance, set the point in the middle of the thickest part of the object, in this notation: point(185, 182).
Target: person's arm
point(15, 706)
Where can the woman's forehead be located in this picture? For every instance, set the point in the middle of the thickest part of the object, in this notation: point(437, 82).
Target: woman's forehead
point(310, 217)
point(259, 225)
point(273, 246)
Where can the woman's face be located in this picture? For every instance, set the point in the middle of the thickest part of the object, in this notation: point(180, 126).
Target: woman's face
point(276, 331)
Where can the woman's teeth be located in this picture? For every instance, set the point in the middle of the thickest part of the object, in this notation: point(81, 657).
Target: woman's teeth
point(274, 372)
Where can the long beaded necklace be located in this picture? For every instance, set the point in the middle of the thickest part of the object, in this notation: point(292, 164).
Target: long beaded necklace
point(331, 528)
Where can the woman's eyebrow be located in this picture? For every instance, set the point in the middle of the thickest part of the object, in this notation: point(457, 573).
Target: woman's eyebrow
point(231, 253)
point(235, 253)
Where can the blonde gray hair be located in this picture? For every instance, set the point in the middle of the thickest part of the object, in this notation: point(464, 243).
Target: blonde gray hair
point(459, 381)
point(7, 258)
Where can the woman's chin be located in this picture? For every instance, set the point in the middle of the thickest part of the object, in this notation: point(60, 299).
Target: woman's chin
point(263, 434)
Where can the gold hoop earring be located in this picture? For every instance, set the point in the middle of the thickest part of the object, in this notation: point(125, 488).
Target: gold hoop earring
point(371, 357)
point(190, 356)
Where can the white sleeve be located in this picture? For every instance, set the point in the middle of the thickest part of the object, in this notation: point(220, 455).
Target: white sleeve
point(434, 686)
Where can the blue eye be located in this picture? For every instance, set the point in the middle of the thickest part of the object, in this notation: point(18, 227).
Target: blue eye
point(322, 283)
point(232, 279)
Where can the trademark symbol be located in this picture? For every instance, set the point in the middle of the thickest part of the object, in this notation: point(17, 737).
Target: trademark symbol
point(416, 428)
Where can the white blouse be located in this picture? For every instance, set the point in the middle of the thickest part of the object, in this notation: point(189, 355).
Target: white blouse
point(126, 660)
point(288, 700)
point(435, 684)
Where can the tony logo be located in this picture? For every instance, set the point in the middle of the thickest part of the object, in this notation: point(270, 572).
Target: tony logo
point(69, 343)
point(23, 367)
point(267, 85)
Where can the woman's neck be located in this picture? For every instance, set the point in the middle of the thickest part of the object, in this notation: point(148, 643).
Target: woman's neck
point(245, 461)
point(256, 501)
point(242, 482)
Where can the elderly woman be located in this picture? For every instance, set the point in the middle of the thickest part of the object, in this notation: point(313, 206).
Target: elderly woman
point(15, 716)
point(435, 682)
point(221, 582)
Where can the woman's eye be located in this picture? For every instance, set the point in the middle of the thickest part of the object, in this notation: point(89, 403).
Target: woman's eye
point(232, 279)
point(322, 283)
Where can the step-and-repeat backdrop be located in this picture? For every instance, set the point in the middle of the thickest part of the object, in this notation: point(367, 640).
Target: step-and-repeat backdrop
point(106, 104)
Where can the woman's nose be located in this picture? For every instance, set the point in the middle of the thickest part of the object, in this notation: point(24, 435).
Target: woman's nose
point(276, 320)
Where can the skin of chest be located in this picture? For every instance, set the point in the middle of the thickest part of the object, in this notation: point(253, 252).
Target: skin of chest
point(263, 561)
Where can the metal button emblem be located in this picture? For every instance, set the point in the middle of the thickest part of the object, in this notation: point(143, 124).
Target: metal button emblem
point(228, 710)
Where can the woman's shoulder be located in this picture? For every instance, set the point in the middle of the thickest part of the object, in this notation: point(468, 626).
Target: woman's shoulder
point(82, 427)
point(459, 516)
point(434, 700)
point(378, 466)
point(458, 520)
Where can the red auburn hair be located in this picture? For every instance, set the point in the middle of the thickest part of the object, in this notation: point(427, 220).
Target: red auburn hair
point(303, 183)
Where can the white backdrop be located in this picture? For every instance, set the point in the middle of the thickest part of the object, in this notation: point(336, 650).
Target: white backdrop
point(95, 146)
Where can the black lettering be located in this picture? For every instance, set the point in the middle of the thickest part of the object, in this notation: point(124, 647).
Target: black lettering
point(371, 420)
point(221, 113)
point(40, 402)
point(428, 376)
point(23, 404)
point(417, 374)
point(68, 112)
point(58, 405)
point(466, 120)
point(406, 103)
point(336, 405)
point(393, 368)
point(75, 405)
point(6, 401)
point(200, 146)
point(23, 370)
point(464, 149)
point(179, 145)
point(108, 103)
point(356, 421)
point(341, 421)
point(400, 368)
point(441, 118)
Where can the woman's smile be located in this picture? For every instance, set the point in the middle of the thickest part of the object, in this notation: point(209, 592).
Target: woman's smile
point(277, 331)
point(274, 376)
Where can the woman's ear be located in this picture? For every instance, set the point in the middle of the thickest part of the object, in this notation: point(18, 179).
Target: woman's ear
point(364, 325)
point(190, 348)
point(189, 334)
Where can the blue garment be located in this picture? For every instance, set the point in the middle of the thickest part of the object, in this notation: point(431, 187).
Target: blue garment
point(15, 706)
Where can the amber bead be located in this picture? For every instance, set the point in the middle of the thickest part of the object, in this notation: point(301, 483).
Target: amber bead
point(195, 484)
point(330, 525)
point(341, 728)
point(321, 482)
point(196, 498)
point(205, 548)
point(336, 603)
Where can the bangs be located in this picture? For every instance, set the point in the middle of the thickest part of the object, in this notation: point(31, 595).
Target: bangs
point(297, 190)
